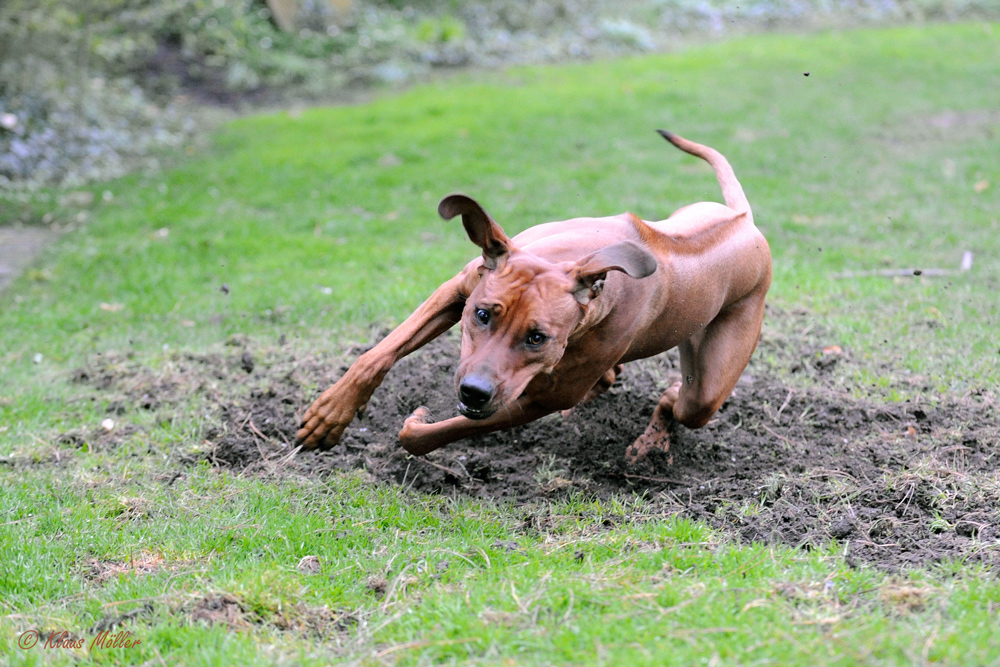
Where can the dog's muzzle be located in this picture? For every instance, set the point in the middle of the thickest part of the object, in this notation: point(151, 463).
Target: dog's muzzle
point(475, 393)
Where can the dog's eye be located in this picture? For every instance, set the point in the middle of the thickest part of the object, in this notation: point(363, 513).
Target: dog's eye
point(483, 316)
point(535, 338)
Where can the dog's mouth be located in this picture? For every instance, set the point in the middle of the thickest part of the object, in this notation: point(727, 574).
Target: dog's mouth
point(472, 413)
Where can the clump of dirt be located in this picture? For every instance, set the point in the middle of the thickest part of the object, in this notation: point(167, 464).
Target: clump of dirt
point(897, 483)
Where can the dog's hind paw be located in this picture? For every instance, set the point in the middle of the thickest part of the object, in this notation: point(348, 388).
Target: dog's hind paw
point(655, 438)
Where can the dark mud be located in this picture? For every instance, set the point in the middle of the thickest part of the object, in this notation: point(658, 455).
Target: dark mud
point(897, 484)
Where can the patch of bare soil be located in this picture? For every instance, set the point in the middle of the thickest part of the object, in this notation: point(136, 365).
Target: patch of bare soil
point(220, 609)
point(102, 571)
point(950, 124)
point(228, 610)
point(897, 484)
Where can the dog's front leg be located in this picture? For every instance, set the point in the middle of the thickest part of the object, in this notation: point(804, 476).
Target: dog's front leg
point(418, 437)
point(325, 420)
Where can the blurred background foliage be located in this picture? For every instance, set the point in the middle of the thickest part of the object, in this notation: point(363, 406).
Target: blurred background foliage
point(90, 89)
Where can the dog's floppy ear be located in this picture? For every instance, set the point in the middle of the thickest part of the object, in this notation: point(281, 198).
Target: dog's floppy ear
point(628, 257)
point(482, 229)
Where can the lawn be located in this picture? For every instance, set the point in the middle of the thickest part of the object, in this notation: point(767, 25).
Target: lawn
point(297, 235)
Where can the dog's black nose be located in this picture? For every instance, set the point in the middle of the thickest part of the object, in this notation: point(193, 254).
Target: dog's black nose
point(475, 392)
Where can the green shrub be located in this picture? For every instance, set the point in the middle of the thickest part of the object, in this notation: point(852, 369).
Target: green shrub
point(77, 77)
point(67, 118)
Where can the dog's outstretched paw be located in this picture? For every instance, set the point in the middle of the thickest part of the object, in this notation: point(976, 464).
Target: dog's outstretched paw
point(328, 417)
point(419, 416)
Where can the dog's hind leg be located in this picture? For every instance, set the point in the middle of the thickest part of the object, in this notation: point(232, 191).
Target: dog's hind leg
point(711, 364)
point(604, 383)
point(657, 433)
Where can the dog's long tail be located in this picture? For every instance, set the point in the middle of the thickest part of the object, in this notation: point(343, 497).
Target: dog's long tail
point(732, 191)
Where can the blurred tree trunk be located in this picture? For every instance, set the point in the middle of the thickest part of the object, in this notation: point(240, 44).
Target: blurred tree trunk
point(83, 54)
point(341, 7)
point(285, 12)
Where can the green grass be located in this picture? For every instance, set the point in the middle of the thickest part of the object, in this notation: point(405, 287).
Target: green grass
point(458, 578)
point(322, 225)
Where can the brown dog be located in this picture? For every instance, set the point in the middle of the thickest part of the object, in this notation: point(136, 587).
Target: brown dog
point(549, 316)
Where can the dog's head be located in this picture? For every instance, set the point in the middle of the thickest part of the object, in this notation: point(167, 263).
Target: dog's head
point(521, 315)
